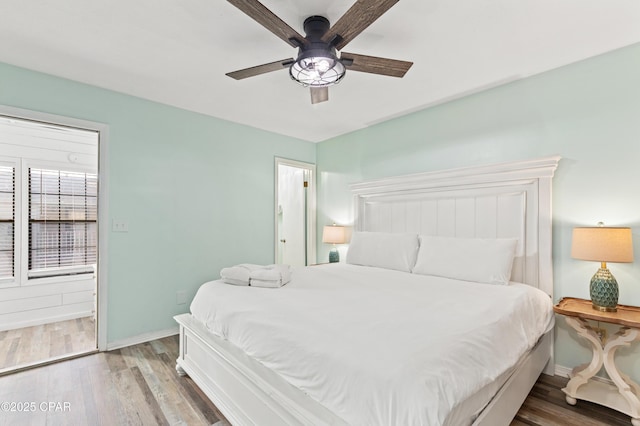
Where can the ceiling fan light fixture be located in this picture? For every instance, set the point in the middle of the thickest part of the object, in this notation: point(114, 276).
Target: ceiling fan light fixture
point(317, 68)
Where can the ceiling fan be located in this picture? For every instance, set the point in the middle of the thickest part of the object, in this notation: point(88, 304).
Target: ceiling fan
point(317, 65)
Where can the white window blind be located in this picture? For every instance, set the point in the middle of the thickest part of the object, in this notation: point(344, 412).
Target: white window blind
point(62, 222)
point(7, 221)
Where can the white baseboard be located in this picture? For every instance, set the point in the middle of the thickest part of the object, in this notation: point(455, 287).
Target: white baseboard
point(142, 338)
point(566, 371)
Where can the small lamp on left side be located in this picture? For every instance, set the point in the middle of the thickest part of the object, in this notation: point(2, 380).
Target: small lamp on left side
point(334, 234)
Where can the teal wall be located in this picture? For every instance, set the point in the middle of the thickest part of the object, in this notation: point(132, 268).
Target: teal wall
point(196, 191)
point(588, 112)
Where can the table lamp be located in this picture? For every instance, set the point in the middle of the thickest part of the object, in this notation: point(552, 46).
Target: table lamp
point(603, 244)
point(334, 234)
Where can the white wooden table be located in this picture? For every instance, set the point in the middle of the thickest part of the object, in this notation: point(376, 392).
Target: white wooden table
point(624, 395)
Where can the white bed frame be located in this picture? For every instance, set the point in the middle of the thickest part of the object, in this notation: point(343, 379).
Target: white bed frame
point(500, 200)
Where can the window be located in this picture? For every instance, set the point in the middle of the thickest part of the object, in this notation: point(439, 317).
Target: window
point(62, 222)
point(7, 221)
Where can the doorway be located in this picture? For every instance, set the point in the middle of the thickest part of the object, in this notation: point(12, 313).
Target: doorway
point(295, 212)
point(49, 211)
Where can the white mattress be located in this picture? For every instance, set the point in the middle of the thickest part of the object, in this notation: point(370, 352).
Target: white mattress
point(377, 346)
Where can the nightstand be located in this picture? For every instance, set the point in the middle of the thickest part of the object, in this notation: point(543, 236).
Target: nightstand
point(625, 395)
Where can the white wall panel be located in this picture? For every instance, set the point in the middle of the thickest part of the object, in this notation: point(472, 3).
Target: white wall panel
point(429, 217)
point(465, 218)
point(30, 304)
point(40, 304)
point(486, 217)
point(446, 225)
point(413, 216)
point(398, 217)
point(511, 216)
point(46, 315)
point(34, 141)
point(378, 217)
point(47, 289)
point(77, 297)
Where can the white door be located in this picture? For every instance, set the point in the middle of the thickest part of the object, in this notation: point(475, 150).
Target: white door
point(295, 214)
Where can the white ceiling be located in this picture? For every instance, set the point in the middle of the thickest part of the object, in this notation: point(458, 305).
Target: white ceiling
point(178, 51)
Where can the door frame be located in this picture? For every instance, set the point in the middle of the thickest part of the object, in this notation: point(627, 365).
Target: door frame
point(311, 207)
point(103, 202)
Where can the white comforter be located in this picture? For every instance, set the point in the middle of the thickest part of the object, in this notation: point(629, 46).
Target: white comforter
point(377, 346)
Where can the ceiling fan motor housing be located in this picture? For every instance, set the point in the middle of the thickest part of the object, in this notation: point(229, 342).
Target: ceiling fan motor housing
point(315, 27)
point(317, 64)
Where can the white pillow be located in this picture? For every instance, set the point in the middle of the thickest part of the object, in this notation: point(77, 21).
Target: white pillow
point(469, 259)
point(383, 250)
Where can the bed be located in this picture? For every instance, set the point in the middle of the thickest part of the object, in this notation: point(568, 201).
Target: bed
point(361, 343)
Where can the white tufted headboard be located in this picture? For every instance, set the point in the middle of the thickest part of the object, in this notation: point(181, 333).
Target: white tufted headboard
point(506, 200)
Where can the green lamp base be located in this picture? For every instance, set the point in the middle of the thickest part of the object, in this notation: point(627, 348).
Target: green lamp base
point(604, 291)
point(334, 256)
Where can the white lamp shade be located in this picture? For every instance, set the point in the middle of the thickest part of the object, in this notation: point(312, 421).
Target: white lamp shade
point(602, 244)
point(334, 235)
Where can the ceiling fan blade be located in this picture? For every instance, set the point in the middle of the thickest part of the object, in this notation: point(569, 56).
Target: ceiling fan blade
point(260, 69)
point(362, 14)
point(319, 94)
point(375, 65)
point(256, 10)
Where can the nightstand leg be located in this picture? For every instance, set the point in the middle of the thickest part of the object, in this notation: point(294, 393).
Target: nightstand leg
point(629, 390)
point(582, 374)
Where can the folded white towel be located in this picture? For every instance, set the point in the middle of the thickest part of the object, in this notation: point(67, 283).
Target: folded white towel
point(270, 276)
point(266, 283)
point(238, 274)
point(234, 281)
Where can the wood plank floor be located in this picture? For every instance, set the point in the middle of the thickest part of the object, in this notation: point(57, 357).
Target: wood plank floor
point(29, 345)
point(546, 406)
point(138, 385)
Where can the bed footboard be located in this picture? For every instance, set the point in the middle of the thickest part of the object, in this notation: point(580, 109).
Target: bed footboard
point(244, 396)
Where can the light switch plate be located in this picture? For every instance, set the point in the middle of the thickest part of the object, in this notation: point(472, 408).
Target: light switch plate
point(120, 226)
